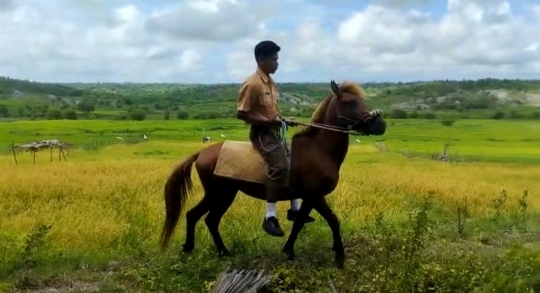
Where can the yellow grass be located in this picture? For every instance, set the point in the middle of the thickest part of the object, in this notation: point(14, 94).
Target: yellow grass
point(97, 201)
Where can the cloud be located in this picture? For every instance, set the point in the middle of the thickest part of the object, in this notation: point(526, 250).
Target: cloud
point(213, 40)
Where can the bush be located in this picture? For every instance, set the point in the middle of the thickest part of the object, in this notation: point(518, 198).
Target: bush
point(54, 114)
point(399, 114)
point(447, 121)
point(498, 115)
point(137, 115)
point(70, 114)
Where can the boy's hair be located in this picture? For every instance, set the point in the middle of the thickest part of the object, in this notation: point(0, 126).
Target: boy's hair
point(265, 49)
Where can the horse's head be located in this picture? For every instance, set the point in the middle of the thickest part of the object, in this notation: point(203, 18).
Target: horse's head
point(348, 110)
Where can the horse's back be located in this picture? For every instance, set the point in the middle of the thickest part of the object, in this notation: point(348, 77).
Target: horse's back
point(240, 160)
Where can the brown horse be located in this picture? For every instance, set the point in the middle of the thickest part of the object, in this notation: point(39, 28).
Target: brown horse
point(317, 153)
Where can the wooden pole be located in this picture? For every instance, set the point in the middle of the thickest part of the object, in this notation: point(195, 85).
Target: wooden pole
point(14, 154)
point(63, 155)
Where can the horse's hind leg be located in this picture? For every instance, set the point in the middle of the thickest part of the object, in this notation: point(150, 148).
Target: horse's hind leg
point(222, 201)
point(192, 217)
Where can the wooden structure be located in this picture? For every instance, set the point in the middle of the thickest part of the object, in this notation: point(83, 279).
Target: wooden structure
point(241, 281)
point(252, 281)
point(37, 146)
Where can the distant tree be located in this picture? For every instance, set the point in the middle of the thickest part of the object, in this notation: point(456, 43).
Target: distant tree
point(414, 115)
point(166, 115)
point(54, 114)
point(86, 107)
point(399, 114)
point(515, 115)
point(137, 115)
point(498, 115)
point(4, 111)
point(182, 115)
point(447, 121)
point(70, 114)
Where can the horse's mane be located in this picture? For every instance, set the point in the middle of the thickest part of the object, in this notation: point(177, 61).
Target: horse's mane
point(318, 115)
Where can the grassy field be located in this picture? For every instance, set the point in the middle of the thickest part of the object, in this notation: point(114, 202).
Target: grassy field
point(93, 222)
point(489, 140)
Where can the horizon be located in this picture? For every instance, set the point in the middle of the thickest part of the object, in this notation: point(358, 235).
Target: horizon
point(278, 82)
point(211, 41)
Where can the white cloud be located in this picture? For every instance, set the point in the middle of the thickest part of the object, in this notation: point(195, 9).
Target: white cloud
point(213, 40)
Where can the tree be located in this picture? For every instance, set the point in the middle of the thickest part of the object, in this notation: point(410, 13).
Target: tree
point(182, 115)
point(447, 121)
point(498, 115)
point(4, 111)
point(54, 114)
point(70, 114)
point(166, 115)
point(137, 115)
point(399, 114)
point(86, 107)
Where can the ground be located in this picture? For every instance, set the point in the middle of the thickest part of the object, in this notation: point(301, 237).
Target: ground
point(410, 223)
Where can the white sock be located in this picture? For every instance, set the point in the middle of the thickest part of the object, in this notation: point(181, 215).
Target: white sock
point(270, 209)
point(295, 204)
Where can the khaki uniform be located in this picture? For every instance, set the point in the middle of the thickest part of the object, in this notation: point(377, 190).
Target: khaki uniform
point(259, 94)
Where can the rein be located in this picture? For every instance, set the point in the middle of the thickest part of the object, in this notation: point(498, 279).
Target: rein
point(347, 130)
point(325, 127)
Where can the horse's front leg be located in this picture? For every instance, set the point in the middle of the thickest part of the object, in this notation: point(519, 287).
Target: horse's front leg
point(322, 207)
point(303, 214)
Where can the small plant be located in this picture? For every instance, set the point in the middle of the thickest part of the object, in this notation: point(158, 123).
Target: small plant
point(499, 203)
point(523, 205)
point(415, 242)
point(32, 244)
point(461, 218)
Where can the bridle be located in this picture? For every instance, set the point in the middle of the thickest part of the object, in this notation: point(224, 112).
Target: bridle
point(351, 123)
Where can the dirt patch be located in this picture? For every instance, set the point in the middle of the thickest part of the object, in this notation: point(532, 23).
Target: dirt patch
point(532, 99)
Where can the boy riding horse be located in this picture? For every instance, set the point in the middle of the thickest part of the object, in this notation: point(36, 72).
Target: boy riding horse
point(257, 105)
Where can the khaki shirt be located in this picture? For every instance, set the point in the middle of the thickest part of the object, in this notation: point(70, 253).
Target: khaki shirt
point(259, 94)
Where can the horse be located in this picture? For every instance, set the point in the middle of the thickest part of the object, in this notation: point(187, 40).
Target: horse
point(317, 153)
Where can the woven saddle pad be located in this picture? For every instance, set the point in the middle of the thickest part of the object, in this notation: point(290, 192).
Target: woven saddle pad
point(240, 160)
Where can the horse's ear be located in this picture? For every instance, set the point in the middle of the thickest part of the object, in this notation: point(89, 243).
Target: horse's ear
point(335, 89)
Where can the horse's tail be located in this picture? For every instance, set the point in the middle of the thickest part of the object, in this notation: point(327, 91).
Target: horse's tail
point(177, 188)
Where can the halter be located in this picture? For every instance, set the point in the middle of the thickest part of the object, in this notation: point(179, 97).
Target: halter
point(349, 128)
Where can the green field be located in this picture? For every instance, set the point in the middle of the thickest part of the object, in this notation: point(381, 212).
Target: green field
point(92, 222)
point(486, 140)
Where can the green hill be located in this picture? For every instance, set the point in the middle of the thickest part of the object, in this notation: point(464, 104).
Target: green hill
point(485, 98)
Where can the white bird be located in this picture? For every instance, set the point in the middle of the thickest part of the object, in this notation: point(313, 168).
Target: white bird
point(358, 141)
point(118, 137)
point(145, 137)
point(222, 135)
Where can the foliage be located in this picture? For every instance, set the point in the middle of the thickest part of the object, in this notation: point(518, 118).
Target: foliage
point(484, 98)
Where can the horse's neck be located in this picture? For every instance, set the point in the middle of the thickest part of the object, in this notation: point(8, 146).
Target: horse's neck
point(333, 145)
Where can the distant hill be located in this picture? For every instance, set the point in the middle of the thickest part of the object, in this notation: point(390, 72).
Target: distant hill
point(21, 99)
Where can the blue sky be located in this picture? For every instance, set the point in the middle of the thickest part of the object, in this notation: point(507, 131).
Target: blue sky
point(207, 41)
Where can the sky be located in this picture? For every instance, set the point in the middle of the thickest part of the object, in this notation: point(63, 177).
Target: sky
point(211, 41)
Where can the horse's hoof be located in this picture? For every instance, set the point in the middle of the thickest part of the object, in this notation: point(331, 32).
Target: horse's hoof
point(340, 261)
point(224, 253)
point(289, 252)
point(187, 248)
